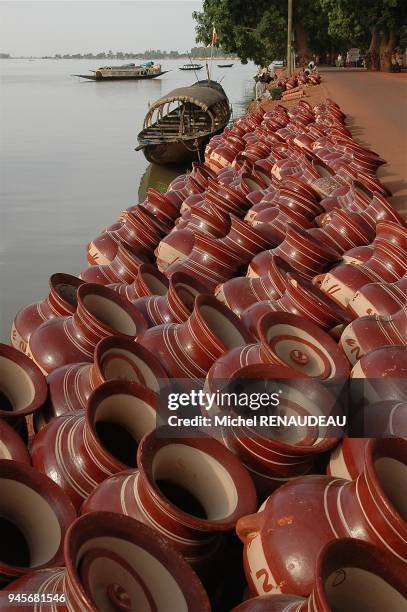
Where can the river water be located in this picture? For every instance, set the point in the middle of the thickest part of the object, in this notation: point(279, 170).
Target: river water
point(68, 165)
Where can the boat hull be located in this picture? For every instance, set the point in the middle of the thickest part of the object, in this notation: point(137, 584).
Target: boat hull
point(177, 152)
point(92, 77)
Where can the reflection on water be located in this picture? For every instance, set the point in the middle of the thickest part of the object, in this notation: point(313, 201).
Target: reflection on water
point(68, 165)
point(158, 177)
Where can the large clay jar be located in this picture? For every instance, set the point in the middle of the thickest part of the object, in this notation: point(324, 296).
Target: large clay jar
point(81, 450)
point(176, 246)
point(301, 251)
point(388, 231)
point(349, 575)
point(300, 517)
point(382, 373)
point(175, 305)
point(147, 281)
point(379, 298)
point(60, 302)
point(23, 388)
point(11, 444)
point(114, 358)
point(245, 240)
point(299, 344)
point(101, 312)
point(161, 206)
point(115, 563)
point(34, 516)
point(189, 349)
point(190, 489)
point(344, 231)
point(122, 269)
point(371, 332)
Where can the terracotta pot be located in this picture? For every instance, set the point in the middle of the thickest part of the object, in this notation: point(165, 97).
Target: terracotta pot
point(240, 293)
point(11, 445)
point(301, 298)
point(189, 349)
point(80, 450)
point(276, 218)
point(349, 575)
point(388, 231)
point(233, 360)
point(176, 305)
point(205, 219)
point(148, 281)
point(60, 302)
point(31, 505)
point(300, 251)
point(344, 231)
point(176, 492)
point(114, 358)
point(246, 241)
point(303, 346)
point(101, 312)
point(174, 248)
point(116, 563)
point(161, 207)
point(372, 507)
point(382, 299)
point(122, 269)
point(380, 209)
point(368, 333)
point(23, 388)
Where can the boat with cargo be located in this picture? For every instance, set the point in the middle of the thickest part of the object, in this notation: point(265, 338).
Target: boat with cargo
point(147, 70)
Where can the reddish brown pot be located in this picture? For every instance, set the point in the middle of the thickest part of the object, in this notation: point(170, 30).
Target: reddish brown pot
point(205, 219)
point(188, 350)
point(379, 298)
point(31, 505)
point(122, 269)
point(344, 231)
point(300, 251)
point(218, 496)
point(11, 445)
point(301, 517)
point(175, 247)
point(23, 388)
point(388, 231)
point(81, 450)
point(301, 345)
point(148, 281)
point(101, 312)
point(372, 580)
point(380, 209)
point(161, 207)
point(116, 562)
point(60, 302)
point(246, 241)
point(176, 305)
point(233, 360)
point(368, 333)
point(114, 358)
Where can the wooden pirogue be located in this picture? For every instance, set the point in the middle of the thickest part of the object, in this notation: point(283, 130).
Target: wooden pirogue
point(179, 125)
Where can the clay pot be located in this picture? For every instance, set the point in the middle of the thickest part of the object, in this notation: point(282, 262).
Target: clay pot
point(161, 207)
point(205, 219)
point(115, 563)
point(368, 333)
point(60, 302)
point(233, 360)
point(380, 209)
point(371, 580)
point(114, 358)
point(11, 445)
point(303, 346)
point(176, 305)
point(174, 248)
point(101, 312)
point(382, 299)
point(148, 281)
point(80, 450)
point(299, 250)
point(23, 388)
point(31, 506)
point(189, 349)
point(245, 241)
point(176, 492)
point(344, 231)
point(388, 231)
point(302, 516)
point(122, 269)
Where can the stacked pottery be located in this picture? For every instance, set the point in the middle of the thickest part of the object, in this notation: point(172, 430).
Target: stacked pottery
point(101, 312)
point(115, 563)
point(79, 450)
point(379, 298)
point(147, 281)
point(60, 302)
point(122, 269)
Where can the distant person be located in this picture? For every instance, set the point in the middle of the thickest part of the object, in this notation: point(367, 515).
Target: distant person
point(339, 60)
point(347, 58)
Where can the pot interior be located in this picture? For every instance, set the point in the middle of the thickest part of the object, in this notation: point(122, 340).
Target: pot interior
point(186, 294)
point(392, 475)
point(30, 534)
point(156, 286)
point(17, 390)
point(353, 588)
point(68, 293)
point(120, 421)
point(117, 363)
point(110, 313)
point(195, 482)
point(221, 327)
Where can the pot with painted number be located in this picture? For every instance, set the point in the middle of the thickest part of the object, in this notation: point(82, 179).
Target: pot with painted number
point(60, 302)
point(101, 312)
point(81, 449)
point(115, 563)
point(373, 507)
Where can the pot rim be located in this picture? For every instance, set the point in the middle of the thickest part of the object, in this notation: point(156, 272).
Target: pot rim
point(9, 436)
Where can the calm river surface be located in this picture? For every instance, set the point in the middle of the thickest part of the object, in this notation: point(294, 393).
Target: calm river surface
point(68, 165)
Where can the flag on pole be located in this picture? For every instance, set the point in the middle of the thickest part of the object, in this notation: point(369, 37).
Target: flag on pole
point(214, 37)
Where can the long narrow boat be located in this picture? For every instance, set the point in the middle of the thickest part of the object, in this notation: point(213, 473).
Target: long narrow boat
point(148, 70)
point(225, 65)
point(191, 67)
point(179, 125)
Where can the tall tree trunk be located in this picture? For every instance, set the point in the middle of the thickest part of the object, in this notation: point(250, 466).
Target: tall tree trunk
point(388, 43)
point(372, 59)
point(301, 44)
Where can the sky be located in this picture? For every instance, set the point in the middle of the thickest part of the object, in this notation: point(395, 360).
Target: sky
point(77, 26)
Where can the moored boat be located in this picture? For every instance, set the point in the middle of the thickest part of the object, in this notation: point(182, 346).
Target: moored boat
point(225, 65)
point(147, 70)
point(180, 124)
point(191, 67)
